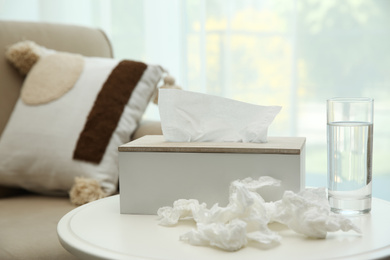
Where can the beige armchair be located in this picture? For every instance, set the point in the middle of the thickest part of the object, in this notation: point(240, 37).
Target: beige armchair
point(28, 221)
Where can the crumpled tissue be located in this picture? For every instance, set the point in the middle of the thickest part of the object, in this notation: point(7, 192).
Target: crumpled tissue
point(247, 215)
point(195, 117)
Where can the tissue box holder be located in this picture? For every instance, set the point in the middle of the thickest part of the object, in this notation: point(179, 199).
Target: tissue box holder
point(154, 173)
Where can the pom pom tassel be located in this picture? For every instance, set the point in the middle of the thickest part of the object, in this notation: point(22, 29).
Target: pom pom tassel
point(169, 82)
point(85, 190)
point(24, 55)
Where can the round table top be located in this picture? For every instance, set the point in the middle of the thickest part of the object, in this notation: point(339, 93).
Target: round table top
point(98, 231)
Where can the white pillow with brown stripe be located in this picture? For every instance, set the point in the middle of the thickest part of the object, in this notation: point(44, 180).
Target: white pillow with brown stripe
point(73, 113)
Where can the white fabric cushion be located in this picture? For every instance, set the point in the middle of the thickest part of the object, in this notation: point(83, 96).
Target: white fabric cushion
point(38, 145)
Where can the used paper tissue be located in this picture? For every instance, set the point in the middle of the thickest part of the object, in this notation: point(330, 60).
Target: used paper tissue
point(247, 215)
point(195, 117)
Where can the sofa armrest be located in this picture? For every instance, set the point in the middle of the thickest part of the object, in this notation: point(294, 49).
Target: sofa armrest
point(147, 127)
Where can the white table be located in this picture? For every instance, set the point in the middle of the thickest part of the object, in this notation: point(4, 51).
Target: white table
point(98, 231)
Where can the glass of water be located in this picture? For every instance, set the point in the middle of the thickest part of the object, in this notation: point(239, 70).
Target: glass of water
point(349, 138)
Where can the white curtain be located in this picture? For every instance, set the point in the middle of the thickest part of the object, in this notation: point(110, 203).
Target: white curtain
point(293, 53)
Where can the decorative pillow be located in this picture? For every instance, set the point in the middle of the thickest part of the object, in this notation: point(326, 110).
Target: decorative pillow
point(73, 113)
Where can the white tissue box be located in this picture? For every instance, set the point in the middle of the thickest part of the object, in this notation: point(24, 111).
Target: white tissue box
point(154, 173)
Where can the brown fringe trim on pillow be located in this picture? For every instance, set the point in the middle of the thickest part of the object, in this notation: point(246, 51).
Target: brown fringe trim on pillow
point(107, 111)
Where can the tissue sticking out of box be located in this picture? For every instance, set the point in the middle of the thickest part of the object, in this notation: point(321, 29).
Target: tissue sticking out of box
point(195, 117)
point(247, 216)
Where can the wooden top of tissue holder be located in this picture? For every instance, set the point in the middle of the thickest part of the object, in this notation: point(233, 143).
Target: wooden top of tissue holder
point(157, 143)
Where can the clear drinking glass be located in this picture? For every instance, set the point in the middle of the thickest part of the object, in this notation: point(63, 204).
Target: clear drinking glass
point(349, 138)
